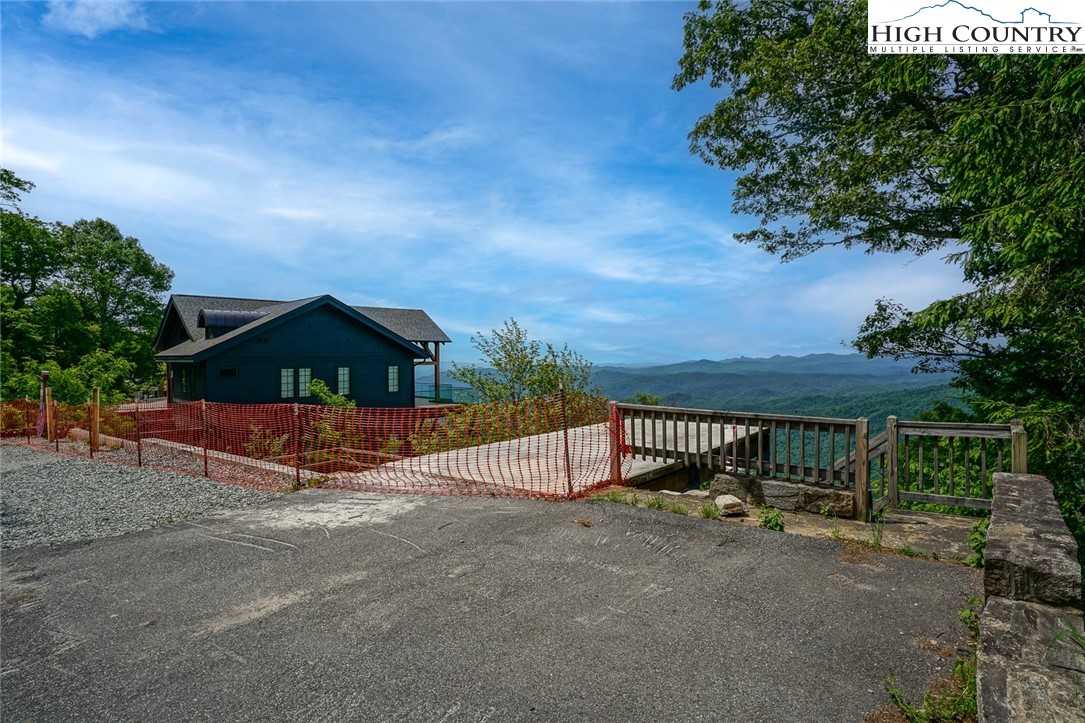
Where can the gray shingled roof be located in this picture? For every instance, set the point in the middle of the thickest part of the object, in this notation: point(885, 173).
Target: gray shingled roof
point(412, 324)
point(199, 344)
point(189, 308)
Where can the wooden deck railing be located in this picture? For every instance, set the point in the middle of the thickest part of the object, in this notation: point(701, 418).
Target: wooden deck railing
point(776, 446)
point(928, 462)
point(944, 463)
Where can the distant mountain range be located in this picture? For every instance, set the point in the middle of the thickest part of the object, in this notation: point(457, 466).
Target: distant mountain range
point(832, 385)
point(821, 385)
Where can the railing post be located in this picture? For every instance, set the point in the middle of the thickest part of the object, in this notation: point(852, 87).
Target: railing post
point(891, 453)
point(95, 406)
point(26, 419)
point(1018, 447)
point(862, 470)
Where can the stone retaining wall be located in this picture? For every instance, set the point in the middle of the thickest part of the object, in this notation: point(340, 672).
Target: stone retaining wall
point(789, 496)
point(1032, 591)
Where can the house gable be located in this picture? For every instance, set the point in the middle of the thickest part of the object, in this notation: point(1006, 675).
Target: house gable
point(323, 341)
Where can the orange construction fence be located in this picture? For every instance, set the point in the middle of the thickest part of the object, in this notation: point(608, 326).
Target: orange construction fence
point(555, 446)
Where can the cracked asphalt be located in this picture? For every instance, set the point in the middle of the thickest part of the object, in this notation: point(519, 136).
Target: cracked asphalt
point(326, 606)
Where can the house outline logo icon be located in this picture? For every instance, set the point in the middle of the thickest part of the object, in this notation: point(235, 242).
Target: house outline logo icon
point(950, 3)
point(990, 27)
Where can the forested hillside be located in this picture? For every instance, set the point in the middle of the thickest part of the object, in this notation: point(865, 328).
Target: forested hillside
point(827, 385)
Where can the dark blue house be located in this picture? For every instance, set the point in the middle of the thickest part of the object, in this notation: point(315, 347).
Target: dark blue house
point(256, 351)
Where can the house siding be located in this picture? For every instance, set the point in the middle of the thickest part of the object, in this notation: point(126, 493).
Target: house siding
point(322, 340)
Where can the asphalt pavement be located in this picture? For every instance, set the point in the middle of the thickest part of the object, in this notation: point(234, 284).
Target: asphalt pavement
point(332, 606)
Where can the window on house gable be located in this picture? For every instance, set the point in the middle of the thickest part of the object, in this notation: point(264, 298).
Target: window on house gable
point(304, 377)
point(393, 379)
point(286, 383)
point(344, 380)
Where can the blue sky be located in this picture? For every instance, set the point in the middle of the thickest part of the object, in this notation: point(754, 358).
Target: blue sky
point(478, 160)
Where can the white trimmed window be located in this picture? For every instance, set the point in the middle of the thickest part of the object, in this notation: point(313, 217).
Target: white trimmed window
point(304, 377)
point(286, 383)
point(393, 379)
point(344, 380)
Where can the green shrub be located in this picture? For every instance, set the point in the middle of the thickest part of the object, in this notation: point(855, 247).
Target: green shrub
point(771, 518)
point(977, 540)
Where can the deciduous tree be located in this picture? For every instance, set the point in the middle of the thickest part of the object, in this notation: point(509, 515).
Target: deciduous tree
point(979, 156)
point(516, 366)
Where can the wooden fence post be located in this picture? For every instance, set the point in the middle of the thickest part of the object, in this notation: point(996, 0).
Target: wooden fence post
point(297, 447)
point(615, 437)
point(891, 453)
point(565, 435)
point(862, 470)
point(95, 407)
point(26, 419)
point(1018, 447)
point(50, 432)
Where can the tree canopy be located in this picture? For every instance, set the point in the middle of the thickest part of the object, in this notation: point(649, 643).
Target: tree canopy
point(83, 301)
point(517, 366)
point(980, 157)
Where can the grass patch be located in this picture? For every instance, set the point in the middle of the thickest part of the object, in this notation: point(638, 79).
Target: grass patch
point(709, 511)
point(655, 503)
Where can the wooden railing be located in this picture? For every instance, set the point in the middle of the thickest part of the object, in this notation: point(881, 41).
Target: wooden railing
point(944, 463)
point(807, 450)
point(928, 462)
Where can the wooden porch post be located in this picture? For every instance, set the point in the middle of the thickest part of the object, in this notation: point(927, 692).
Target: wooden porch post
point(436, 370)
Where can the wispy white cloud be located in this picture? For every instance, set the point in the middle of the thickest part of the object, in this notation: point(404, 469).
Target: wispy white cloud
point(451, 180)
point(91, 18)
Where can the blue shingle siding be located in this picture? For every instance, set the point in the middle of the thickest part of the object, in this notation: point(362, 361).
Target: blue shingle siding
point(322, 340)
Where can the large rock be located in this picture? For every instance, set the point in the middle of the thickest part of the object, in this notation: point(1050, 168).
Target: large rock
point(1030, 553)
point(816, 499)
point(730, 505)
point(782, 495)
point(1022, 673)
point(747, 489)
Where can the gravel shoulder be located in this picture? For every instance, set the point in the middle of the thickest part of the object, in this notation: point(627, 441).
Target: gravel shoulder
point(46, 499)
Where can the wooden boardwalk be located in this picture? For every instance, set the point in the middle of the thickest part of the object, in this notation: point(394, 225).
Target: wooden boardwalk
point(537, 465)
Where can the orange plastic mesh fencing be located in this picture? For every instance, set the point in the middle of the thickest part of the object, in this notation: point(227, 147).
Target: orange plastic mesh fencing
point(18, 418)
point(559, 446)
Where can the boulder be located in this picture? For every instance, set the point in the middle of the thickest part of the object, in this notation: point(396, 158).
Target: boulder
point(746, 489)
point(730, 505)
point(701, 494)
point(782, 495)
point(815, 499)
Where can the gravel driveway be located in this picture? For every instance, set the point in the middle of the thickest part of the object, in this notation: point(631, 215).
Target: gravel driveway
point(47, 499)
